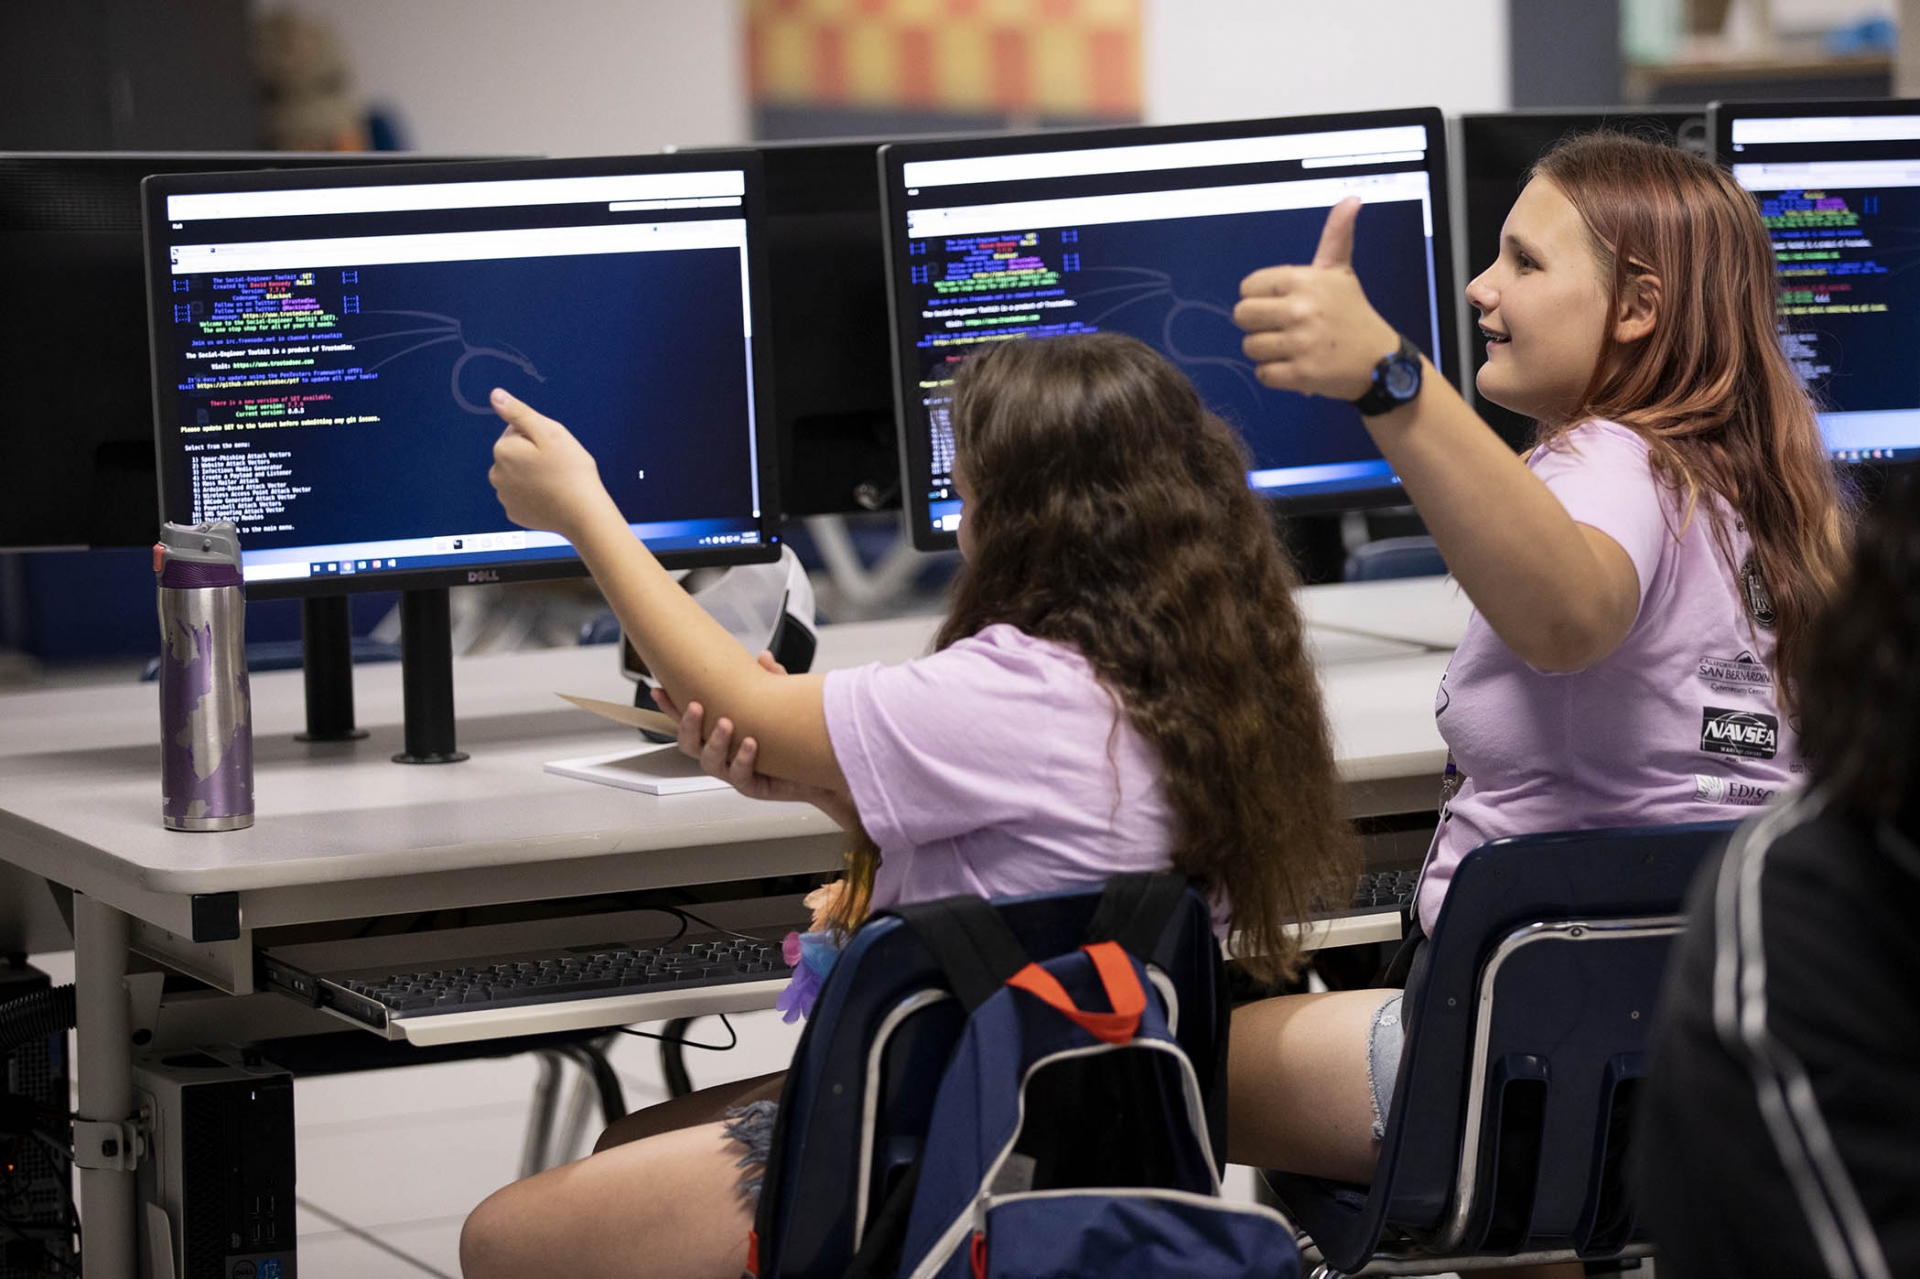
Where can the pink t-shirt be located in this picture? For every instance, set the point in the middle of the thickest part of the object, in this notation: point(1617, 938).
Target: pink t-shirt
point(998, 765)
point(1678, 724)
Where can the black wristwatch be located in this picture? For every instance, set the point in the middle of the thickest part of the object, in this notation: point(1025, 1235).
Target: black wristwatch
point(1396, 380)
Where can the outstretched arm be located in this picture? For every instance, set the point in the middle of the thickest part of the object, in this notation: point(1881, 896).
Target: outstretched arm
point(546, 480)
point(1561, 595)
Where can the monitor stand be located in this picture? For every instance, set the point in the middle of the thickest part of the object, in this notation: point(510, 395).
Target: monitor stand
point(426, 678)
point(326, 652)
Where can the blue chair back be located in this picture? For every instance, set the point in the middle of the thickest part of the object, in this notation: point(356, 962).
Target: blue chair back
point(855, 1107)
point(1392, 557)
point(1526, 1018)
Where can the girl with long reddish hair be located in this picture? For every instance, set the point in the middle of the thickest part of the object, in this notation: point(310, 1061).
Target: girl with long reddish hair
point(1122, 683)
point(1644, 579)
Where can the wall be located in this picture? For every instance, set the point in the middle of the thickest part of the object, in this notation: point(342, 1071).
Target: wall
point(576, 77)
point(558, 77)
point(1228, 59)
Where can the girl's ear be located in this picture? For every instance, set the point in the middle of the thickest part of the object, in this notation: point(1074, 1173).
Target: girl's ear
point(1639, 308)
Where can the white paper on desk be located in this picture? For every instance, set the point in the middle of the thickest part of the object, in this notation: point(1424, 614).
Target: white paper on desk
point(660, 770)
point(631, 716)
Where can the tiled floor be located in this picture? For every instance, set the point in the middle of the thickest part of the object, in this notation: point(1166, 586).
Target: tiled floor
point(391, 1162)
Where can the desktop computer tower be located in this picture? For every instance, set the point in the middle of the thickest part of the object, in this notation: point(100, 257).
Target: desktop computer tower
point(35, 1193)
point(220, 1164)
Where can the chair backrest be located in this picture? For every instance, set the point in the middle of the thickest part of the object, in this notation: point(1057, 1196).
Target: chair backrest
point(1526, 1019)
point(854, 1111)
point(1394, 557)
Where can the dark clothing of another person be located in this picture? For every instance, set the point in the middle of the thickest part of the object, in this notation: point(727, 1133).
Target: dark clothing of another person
point(1780, 1128)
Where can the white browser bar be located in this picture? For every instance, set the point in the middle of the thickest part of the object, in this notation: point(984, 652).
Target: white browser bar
point(689, 202)
point(1384, 157)
point(457, 246)
point(1165, 155)
point(1817, 175)
point(1152, 206)
point(1839, 128)
point(419, 196)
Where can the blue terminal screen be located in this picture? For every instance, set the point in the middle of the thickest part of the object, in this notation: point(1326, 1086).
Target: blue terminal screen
point(1153, 239)
point(326, 357)
point(1840, 195)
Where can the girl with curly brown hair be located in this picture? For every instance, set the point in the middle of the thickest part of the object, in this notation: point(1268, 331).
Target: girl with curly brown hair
point(1122, 683)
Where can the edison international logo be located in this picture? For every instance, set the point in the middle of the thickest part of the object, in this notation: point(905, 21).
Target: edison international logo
point(1718, 790)
point(1747, 734)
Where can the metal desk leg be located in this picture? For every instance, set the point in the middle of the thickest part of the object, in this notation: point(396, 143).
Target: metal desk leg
point(105, 1064)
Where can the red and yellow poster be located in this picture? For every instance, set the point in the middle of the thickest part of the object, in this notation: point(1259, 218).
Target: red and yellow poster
point(1070, 58)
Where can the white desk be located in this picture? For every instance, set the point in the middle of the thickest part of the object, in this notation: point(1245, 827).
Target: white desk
point(1430, 612)
point(342, 833)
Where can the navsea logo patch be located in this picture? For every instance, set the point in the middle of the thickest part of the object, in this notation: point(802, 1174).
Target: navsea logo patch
point(1746, 734)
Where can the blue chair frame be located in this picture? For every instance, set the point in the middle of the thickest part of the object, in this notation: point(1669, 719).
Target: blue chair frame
point(855, 1107)
point(1526, 1018)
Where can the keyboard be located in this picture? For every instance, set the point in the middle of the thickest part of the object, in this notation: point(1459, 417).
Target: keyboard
point(1384, 890)
point(679, 965)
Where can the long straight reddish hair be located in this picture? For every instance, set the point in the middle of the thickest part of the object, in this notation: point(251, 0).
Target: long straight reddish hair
point(1710, 389)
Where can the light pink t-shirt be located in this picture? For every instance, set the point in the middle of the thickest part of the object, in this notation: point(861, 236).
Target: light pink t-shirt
point(1678, 724)
point(998, 765)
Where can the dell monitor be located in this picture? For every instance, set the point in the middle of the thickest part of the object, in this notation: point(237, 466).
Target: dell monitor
point(80, 465)
point(1494, 154)
point(1838, 184)
point(324, 345)
point(1149, 231)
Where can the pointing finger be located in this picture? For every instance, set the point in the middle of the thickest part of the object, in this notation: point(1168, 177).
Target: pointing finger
point(520, 417)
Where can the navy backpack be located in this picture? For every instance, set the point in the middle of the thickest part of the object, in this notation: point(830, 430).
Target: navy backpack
point(1069, 1131)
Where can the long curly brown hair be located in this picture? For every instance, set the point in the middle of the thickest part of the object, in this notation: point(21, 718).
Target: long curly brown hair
point(1710, 390)
point(1110, 512)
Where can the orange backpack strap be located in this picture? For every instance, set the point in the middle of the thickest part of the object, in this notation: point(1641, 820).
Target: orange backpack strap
point(1124, 992)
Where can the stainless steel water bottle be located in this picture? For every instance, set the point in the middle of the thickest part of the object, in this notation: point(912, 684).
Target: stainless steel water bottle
point(206, 718)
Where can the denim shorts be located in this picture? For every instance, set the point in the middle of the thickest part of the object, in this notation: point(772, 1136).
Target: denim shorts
point(1385, 1037)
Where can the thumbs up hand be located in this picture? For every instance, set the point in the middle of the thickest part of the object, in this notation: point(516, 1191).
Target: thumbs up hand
point(1311, 328)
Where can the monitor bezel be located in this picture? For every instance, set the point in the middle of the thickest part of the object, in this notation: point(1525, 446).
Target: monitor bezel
point(62, 167)
point(155, 189)
point(916, 451)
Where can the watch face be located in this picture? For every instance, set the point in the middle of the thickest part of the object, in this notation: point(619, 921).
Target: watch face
point(1402, 379)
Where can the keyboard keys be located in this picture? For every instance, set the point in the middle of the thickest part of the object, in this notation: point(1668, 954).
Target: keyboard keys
point(1385, 890)
point(686, 963)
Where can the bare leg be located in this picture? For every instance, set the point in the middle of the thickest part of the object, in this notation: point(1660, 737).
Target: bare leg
point(666, 1205)
point(1297, 1085)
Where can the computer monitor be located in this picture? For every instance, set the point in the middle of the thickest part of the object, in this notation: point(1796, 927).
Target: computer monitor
point(1149, 232)
point(1839, 188)
point(831, 359)
point(324, 344)
point(79, 443)
point(1494, 154)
